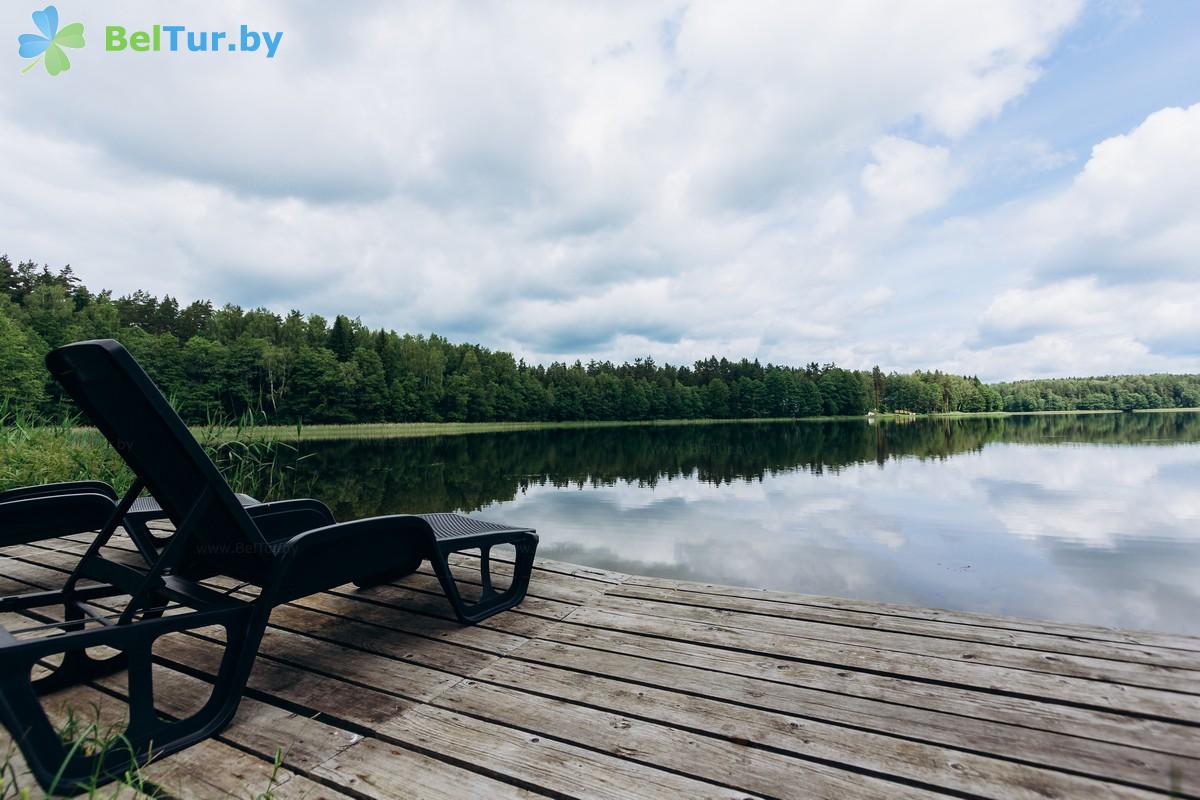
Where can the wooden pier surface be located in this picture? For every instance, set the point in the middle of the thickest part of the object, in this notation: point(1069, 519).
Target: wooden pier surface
point(604, 685)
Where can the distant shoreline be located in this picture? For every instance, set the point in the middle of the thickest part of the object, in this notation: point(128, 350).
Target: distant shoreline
point(416, 430)
point(36, 454)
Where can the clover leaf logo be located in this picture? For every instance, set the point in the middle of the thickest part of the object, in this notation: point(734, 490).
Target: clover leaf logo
point(48, 46)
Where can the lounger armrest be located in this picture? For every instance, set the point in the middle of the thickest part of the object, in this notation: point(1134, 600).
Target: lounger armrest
point(317, 559)
point(54, 489)
point(45, 517)
point(300, 544)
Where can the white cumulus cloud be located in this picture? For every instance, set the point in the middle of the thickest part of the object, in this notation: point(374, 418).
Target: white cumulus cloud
point(778, 180)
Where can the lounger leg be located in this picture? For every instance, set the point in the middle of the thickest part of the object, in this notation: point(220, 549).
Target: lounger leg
point(490, 601)
point(62, 769)
point(77, 665)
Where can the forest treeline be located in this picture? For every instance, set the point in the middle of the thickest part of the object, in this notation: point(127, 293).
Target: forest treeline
point(226, 361)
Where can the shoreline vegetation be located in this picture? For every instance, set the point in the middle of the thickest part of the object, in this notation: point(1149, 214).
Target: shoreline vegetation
point(296, 369)
point(34, 452)
point(418, 430)
point(261, 460)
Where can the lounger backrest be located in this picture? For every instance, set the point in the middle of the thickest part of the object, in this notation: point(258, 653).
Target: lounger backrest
point(125, 405)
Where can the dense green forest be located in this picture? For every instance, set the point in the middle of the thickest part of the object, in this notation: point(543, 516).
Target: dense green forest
point(286, 369)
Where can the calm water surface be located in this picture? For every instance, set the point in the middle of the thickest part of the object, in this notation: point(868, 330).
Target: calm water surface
point(1080, 518)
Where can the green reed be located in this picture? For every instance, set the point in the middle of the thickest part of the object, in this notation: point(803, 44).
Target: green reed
point(253, 459)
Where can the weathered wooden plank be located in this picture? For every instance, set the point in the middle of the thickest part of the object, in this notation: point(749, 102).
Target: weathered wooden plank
point(580, 571)
point(1040, 642)
point(994, 707)
point(213, 769)
point(311, 697)
point(401, 596)
point(318, 697)
point(62, 546)
point(551, 584)
point(1050, 749)
point(1154, 676)
point(366, 668)
point(1096, 694)
point(29, 557)
point(21, 557)
point(26, 576)
point(336, 756)
point(552, 589)
point(308, 745)
point(263, 730)
point(346, 607)
point(379, 769)
point(1073, 629)
point(14, 772)
point(185, 776)
point(733, 764)
point(532, 760)
point(639, 714)
point(375, 639)
point(14, 622)
point(10, 582)
point(301, 742)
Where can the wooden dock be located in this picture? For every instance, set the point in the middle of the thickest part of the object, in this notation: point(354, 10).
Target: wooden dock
point(604, 685)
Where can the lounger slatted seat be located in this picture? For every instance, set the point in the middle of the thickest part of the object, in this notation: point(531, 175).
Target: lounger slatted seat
point(288, 549)
point(146, 509)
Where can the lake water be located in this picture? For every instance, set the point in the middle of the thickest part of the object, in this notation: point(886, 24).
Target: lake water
point(1077, 518)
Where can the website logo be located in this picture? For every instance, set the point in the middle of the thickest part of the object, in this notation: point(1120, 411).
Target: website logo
point(47, 47)
point(181, 39)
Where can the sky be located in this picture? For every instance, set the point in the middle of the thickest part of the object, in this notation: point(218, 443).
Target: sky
point(1005, 189)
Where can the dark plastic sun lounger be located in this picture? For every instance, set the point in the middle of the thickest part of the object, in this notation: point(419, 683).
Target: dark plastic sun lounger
point(288, 549)
point(33, 513)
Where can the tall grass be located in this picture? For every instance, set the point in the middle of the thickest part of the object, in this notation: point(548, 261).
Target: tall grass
point(34, 451)
point(90, 738)
point(252, 458)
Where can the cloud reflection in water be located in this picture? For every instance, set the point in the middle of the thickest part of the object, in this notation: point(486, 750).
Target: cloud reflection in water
point(1087, 533)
